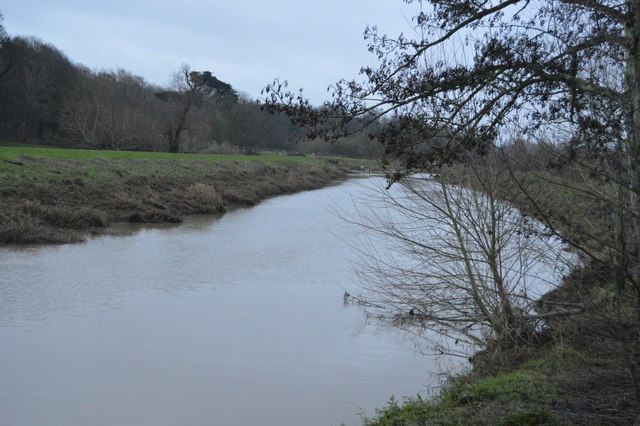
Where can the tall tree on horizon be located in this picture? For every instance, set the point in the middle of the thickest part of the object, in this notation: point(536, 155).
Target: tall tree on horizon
point(190, 89)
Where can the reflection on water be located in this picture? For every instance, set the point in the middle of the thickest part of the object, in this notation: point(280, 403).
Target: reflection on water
point(222, 320)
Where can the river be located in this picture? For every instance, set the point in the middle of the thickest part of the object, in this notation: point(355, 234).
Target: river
point(230, 320)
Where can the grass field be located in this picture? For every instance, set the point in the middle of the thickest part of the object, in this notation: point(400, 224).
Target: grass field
point(14, 153)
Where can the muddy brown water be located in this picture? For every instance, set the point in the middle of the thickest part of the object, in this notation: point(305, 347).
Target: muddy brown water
point(231, 320)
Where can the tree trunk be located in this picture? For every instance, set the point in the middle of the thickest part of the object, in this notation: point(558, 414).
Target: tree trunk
point(174, 135)
point(174, 145)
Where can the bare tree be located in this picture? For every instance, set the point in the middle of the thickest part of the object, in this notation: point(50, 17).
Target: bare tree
point(34, 82)
point(457, 261)
point(5, 54)
point(110, 110)
point(188, 90)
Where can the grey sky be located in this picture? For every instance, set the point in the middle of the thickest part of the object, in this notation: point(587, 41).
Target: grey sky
point(245, 43)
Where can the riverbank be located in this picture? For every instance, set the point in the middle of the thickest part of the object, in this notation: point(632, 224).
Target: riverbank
point(578, 372)
point(51, 195)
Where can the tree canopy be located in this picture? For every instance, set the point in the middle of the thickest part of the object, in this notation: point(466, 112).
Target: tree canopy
point(480, 74)
point(474, 69)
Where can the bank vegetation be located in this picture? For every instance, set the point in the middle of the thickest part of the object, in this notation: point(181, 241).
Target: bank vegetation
point(52, 195)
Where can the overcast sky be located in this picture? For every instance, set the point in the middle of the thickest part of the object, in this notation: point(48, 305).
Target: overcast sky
point(311, 43)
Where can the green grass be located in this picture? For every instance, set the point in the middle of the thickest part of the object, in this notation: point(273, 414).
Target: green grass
point(564, 383)
point(29, 163)
point(23, 164)
point(515, 398)
point(15, 153)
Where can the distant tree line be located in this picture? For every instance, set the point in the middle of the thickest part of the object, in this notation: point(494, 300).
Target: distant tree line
point(47, 98)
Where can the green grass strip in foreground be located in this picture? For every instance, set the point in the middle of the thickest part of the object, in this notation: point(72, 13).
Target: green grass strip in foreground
point(14, 153)
point(508, 399)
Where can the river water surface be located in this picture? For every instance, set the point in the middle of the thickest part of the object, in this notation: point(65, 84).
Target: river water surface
point(232, 320)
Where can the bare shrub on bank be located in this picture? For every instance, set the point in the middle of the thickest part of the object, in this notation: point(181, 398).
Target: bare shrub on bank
point(458, 262)
point(204, 198)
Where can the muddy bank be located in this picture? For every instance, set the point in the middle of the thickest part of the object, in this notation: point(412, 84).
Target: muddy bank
point(62, 201)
